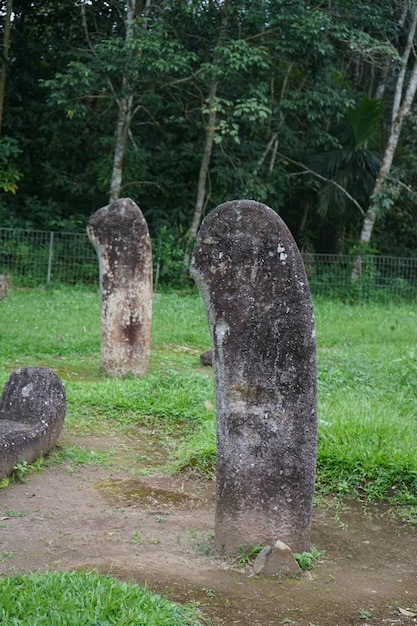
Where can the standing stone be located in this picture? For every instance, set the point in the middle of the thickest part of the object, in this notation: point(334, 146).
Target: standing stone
point(253, 284)
point(120, 236)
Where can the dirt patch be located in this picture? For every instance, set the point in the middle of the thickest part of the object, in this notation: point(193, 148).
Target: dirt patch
point(158, 530)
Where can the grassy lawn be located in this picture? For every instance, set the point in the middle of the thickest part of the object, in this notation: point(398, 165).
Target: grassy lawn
point(367, 400)
point(85, 599)
point(367, 388)
point(367, 382)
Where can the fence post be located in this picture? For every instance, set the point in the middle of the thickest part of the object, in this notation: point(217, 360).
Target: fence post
point(51, 246)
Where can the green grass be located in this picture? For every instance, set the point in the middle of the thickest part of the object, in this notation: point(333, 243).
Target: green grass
point(367, 410)
point(40, 323)
point(367, 390)
point(85, 599)
point(367, 384)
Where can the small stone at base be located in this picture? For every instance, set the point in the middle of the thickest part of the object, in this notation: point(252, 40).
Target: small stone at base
point(276, 560)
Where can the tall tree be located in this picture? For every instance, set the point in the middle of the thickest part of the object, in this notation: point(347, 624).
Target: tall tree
point(5, 56)
point(183, 105)
point(40, 31)
point(403, 99)
point(124, 105)
point(121, 69)
point(9, 150)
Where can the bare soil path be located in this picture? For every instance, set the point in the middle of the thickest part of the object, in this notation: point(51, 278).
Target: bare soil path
point(158, 530)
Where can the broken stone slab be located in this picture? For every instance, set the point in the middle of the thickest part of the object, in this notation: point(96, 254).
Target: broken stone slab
point(276, 559)
point(120, 235)
point(32, 413)
point(252, 280)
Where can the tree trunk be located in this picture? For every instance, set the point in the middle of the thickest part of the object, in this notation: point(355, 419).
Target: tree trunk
point(205, 163)
point(208, 147)
point(389, 154)
point(5, 53)
point(122, 135)
point(124, 118)
point(400, 109)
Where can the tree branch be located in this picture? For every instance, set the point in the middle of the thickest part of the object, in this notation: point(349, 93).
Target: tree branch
point(407, 188)
point(307, 170)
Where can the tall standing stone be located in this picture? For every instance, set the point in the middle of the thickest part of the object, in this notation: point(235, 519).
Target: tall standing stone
point(120, 236)
point(254, 287)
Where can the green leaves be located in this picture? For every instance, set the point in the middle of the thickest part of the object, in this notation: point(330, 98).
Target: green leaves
point(9, 172)
point(352, 169)
point(292, 70)
point(240, 56)
point(254, 110)
point(86, 599)
point(362, 123)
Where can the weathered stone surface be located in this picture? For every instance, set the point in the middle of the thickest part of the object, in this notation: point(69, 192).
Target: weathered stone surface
point(254, 287)
point(206, 358)
point(277, 559)
point(32, 413)
point(120, 236)
point(3, 286)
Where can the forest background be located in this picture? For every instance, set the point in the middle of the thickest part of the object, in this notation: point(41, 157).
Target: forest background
point(183, 104)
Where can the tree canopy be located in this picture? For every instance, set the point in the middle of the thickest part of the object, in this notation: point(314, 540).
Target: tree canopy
point(183, 105)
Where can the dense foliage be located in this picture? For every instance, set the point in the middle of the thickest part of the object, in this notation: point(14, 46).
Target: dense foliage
point(183, 105)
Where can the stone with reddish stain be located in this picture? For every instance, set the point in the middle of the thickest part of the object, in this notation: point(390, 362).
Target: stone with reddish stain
point(32, 413)
point(254, 287)
point(120, 235)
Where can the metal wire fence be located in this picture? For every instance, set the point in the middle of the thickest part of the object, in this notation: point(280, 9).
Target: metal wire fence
point(376, 278)
point(36, 257)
